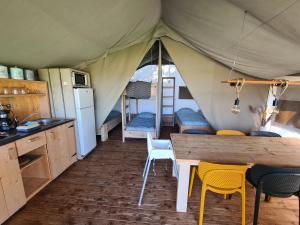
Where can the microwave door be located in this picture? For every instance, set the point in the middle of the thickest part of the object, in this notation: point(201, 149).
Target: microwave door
point(79, 79)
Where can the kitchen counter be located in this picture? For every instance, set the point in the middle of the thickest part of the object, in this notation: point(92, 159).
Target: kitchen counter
point(14, 135)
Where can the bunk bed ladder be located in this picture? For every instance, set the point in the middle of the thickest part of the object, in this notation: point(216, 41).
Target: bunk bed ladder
point(168, 101)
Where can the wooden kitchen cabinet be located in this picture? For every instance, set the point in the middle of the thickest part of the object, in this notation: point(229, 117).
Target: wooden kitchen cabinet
point(30, 143)
point(3, 209)
point(12, 194)
point(70, 135)
point(61, 148)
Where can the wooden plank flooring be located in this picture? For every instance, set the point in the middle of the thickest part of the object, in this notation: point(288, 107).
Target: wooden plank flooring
point(104, 189)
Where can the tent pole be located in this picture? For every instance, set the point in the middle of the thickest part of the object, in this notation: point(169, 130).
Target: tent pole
point(123, 108)
point(159, 89)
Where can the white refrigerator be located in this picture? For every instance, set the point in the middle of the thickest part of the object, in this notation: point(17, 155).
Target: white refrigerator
point(85, 116)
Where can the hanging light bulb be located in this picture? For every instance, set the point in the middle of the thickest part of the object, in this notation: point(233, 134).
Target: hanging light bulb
point(283, 86)
point(235, 109)
point(236, 106)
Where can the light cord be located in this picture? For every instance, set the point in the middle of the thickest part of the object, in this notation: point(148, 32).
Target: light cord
point(238, 46)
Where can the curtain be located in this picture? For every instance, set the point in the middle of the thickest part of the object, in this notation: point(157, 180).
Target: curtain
point(111, 74)
point(203, 77)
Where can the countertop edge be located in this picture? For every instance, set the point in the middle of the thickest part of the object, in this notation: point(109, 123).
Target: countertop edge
point(20, 135)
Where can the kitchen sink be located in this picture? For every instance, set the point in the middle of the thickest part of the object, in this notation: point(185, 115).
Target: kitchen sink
point(48, 121)
point(3, 135)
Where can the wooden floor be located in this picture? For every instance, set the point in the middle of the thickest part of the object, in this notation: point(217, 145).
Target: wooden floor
point(104, 189)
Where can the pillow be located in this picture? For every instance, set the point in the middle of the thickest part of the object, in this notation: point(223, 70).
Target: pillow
point(147, 115)
point(186, 110)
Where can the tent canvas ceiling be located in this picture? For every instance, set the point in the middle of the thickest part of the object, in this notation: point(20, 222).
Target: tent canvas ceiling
point(42, 33)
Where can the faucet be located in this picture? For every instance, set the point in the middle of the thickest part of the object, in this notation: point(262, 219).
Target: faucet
point(29, 116)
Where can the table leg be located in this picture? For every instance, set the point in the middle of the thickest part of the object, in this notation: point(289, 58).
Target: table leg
point(174, 171)
point(182, 187)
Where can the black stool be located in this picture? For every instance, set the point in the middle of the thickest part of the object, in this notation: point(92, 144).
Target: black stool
point(264, 134)
point(197, 131)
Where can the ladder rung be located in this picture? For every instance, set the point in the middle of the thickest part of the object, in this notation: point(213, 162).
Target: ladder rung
point(167, 105)
point(168, 96)
point(167, 87)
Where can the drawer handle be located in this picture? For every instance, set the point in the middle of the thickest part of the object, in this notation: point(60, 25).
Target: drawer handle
point(33, 139)
point(12, 152)
point(71, 126)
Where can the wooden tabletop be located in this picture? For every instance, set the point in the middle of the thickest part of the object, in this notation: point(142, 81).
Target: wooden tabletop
point(271, 151)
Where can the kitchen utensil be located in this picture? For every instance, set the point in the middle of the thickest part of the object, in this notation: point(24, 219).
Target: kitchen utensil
point(23, 91)
point(29, 75)
point(15, 91)
point(3, 72)
point(16, 73)
point(5, 122)
point(5, 91)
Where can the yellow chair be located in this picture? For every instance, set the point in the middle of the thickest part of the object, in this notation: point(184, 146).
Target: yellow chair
point(222, 179)
point(231, 133)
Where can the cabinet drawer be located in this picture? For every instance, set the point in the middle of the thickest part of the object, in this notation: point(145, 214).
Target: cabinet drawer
point(30, 143)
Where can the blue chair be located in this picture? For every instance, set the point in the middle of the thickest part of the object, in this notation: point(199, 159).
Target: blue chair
point(273, 182)
point(264, 134)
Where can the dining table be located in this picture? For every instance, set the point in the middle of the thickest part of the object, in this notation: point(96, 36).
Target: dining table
point(191, 149)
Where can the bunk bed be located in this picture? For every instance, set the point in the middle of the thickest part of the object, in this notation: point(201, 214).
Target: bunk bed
point(187, 118)
point(113, 119)
point(139, 124)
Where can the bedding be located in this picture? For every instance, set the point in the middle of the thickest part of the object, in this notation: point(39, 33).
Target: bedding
point(189, 117)
point(142, 122)
point(112, 115)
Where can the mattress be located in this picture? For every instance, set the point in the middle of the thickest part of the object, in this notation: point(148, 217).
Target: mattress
point(142, 122)
point(189, 117)
point(112, 115)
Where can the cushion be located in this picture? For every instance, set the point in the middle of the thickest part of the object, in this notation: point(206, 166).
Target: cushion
point(146, 115)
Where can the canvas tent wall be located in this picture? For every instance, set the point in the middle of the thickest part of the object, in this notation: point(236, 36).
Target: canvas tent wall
point(76, 33)
point(66, 32)
point(202, 75)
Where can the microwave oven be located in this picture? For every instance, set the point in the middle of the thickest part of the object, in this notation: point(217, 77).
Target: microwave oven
point(80, 79)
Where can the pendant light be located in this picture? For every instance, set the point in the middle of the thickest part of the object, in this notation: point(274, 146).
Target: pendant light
point(235, 109)
point(283, 86)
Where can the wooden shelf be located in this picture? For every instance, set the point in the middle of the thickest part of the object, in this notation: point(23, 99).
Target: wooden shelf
point(263, 82)
point(33, 185)
point(23, 81)
point(36, 101)
point(35, 171)
point(32, 160)
point(20, 95)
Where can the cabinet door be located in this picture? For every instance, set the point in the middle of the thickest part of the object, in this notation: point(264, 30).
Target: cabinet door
point(57, 94)
point(57, 147)
point(11, 180)
point(70, 135)
point(3, 208)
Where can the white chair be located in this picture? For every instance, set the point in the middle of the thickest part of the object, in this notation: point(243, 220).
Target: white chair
point(157, 149)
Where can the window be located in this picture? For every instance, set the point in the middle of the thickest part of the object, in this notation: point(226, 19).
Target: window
point(184, 93)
